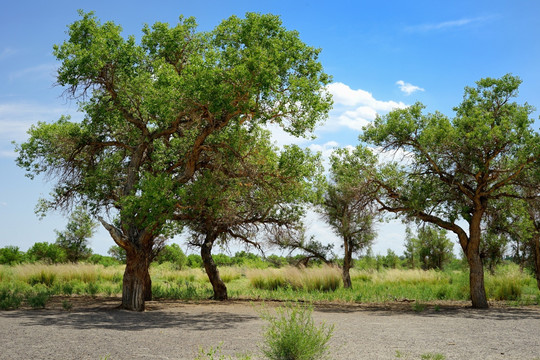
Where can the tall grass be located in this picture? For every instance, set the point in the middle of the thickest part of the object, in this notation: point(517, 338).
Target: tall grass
point(317, 279)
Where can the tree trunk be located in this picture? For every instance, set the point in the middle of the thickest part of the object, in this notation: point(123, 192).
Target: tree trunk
point(536, 240)
point(136, 287)
point(347, 263)
point(220, 290)
point(476, 266)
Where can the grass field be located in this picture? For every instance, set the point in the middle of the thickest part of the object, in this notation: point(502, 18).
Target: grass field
point(33, 284)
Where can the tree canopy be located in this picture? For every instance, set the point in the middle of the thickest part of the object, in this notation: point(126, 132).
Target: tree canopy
point(458, 166)
point(150, 109)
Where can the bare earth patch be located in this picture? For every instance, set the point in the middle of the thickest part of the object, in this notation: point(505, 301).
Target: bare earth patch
point(96, 328)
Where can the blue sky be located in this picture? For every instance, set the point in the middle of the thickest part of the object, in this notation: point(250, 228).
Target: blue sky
point(381, 55)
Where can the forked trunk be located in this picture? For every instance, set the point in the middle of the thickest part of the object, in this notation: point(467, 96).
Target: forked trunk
point(347, 264)
point(220, 290)
point(137, 285)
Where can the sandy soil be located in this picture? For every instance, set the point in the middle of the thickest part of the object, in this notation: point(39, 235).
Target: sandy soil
point(95, 329)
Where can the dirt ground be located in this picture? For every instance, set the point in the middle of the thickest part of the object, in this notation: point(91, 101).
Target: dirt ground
point(97, 329)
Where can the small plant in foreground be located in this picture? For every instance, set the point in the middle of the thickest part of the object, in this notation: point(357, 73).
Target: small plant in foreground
point(418, 306)
point(215, 354)
point(292, 335)
point(432, 356)
point(67, 305)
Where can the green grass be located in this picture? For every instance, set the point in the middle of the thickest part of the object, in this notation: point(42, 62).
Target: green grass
point(318, 284)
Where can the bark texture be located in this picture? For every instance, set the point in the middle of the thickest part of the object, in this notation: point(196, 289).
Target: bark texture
point(219, 287)
point(137, 285)
point(347, 264)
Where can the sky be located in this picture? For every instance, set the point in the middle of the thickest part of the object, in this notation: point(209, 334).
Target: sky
point(381, 55)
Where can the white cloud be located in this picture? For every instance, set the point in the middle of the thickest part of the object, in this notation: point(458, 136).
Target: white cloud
point(408, 88)
point(344, 95)
point(354, 109)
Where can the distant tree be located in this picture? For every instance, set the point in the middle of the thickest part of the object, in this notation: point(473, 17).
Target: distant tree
point(117, 253)
point(74, 240)
point(48, 253)
point(390, 260)
point(456, 168)
point(172, 253)
point(11, 255)
point(150, 109)
point(194, 261)
point(348, 204)
point(435, 249)
point(412, 249)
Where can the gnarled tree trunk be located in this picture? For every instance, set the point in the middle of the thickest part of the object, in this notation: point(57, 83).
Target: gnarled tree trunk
point(220, 290)
point(137, 285)
point(347, 264)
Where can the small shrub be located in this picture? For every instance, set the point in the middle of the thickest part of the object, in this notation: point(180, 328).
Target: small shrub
point(67, 305)
point(37, 297)
point(292, 335)
point(418, 307)
point(432, 356)
point(215, 354)
point(92, 289)
point(10, 299)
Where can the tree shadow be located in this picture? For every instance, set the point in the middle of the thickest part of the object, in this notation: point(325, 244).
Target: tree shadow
point(117, 319)
point(435, 310)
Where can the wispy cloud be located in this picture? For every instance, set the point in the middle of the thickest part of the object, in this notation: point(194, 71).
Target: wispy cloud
point(35, 72)
point(408, 88)
point(7, 52)
point(451, 24)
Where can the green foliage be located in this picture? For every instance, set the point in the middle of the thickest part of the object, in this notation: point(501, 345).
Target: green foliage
point(103, 260)
point(432, 356)
point(11, 255)
point(431, 249)
point(291, 334)
point(194, 261)
point(216, 354)
point(74, 240)
point(117, 253)
point(10, 298)
point(172, 254)
point(38, 297)
point(47, 253)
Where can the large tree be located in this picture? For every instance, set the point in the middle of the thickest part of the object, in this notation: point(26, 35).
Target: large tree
point(149, 110)
point(456, 167)
point(247, 189)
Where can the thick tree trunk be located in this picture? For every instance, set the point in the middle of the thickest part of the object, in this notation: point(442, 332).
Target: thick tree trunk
point(476, 266)
point(347, 263)
point(136, 287)
point(220, 290)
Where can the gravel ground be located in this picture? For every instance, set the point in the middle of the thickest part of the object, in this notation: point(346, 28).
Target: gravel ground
point(95, 329)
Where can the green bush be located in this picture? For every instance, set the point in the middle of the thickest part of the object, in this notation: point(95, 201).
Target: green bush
point(47, 253)
point(292, 335)
point(172, 254)
point(37, 297)
point(194, 261)
point(10, 299)
point(102, 260)
point(10, 255)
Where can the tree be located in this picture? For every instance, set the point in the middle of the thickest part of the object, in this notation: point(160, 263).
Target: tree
point(457, 167)
point(74, 240)
point(249, 188)
point(48, 253)
point(349, 203)
point(173, 254)
point(434, 247)
point(11, 255)
point(117, 253)
point(150, 109)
